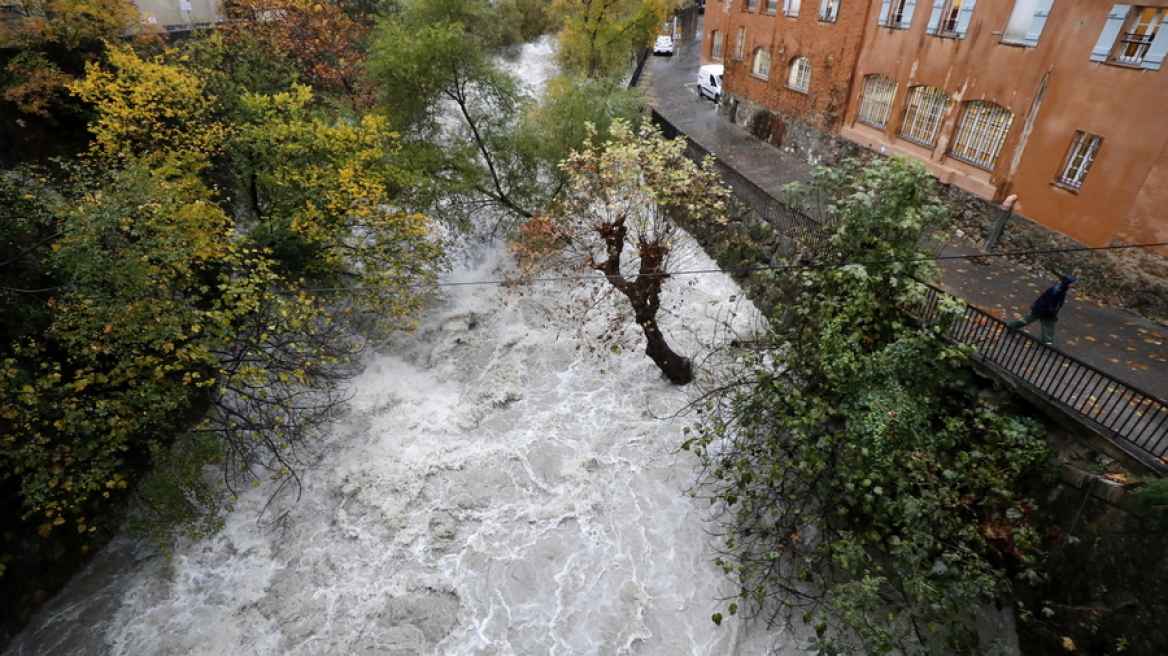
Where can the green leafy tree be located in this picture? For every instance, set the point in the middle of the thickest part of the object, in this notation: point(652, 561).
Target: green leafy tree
point(619, 217)
point(323, 197)
point(601, 38)
point(463, 118)
point(862, 485)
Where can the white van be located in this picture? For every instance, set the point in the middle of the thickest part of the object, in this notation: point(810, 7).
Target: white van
point(710, 81)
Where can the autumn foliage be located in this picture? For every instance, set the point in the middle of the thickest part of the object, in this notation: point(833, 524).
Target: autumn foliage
point(618, 219)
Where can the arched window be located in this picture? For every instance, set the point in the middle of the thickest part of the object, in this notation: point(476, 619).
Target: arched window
point(716, 48)
point(922, 116)
point(799, 74)
point(982, 132)
point(876, 103)
point(762, 62)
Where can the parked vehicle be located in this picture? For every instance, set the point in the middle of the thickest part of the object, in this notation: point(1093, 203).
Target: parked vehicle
point(710, 81)
point(663, 46)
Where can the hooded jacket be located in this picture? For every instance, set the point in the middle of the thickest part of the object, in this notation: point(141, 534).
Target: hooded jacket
point(1047, 305)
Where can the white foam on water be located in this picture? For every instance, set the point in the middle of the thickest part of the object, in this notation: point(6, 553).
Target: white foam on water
point(492, 490)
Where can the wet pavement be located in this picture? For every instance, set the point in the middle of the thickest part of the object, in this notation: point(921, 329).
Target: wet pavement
point(1123, 345)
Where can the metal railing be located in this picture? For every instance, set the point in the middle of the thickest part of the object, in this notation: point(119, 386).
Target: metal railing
point(788, 220)
point(1135, 420)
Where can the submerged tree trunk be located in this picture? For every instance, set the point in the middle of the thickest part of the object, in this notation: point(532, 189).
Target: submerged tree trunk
point(644, 294)
point(678, 369)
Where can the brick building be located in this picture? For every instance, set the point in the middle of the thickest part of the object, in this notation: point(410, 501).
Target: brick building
point(1062, 104)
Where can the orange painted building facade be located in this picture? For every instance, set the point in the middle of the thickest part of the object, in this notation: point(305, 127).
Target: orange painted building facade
point(1061, 104)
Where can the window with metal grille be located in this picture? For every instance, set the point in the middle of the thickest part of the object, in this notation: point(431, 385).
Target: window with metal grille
point(982, 132)
point(772, 6)
point(922, 117)
point(751, 5)
point(1082, 153)
point(1133, 36)
point(716, 47)
point(762, 62)
point(1135, 41)
point(876, 103)
point(740, 45)
point(799, 74)
point(947, 17)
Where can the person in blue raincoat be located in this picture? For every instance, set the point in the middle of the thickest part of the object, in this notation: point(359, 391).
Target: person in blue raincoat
point(1046, 308)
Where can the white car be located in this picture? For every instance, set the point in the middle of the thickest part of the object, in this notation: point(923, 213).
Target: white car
point(710, 81)
point(663, 45)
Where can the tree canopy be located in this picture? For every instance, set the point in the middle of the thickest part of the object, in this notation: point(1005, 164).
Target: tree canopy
point(863, 485)
point(619, 218)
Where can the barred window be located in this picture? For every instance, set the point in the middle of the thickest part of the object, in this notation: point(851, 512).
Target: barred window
point(762, 62)
point(876, 103)
point(740, 45)
point(1134, 36)
point(772, 6)
point(799, 74)
point(982, 132)
point(751, 5)
point(1137, 38)
point(716, 48)
point(1079, 158)
point(922, 117)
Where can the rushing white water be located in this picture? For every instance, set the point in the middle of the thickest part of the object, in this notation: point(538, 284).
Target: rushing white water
point(491, 490)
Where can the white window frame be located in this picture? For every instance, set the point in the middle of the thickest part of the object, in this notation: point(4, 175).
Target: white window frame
point(828, 10)
point(1122, 41)
point(1084, 148)
point(897, 14)
point(751, 5)
point(1027, 20)
point(951, 17)
point(716, 44)
point(791, 8)
point(923, 115)
point(799, 74)
point(760, 65)
point(982, 133)
point(772, 6)
point(740, 46)
point(876, 100)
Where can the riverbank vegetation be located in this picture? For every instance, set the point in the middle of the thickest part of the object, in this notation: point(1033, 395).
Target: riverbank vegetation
point(862, 484)
point(198, 238)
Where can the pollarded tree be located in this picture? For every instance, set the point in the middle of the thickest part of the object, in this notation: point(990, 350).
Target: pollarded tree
point(863, 484)
point(618, 219)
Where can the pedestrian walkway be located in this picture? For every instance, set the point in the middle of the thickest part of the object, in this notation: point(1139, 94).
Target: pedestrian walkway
point(1118, 344)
